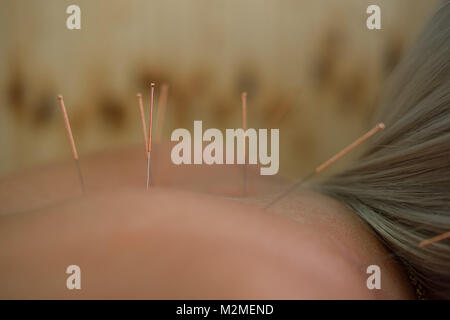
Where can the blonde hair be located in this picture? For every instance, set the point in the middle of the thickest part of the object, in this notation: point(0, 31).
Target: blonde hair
point(401, 184)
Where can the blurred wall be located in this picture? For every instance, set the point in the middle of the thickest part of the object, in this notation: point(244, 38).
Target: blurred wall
point(310, 67)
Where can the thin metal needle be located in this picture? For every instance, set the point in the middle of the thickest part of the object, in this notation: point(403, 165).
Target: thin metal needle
point(290, 189)
point(141, 111)
point(77, 161)
point(148, 169)
point(72, 141)
point(435, 239)
point(395, 253)
point(150, 121)
point(329, 162)
point(244, 127)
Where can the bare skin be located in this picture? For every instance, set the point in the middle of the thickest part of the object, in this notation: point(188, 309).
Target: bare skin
point(188, 237)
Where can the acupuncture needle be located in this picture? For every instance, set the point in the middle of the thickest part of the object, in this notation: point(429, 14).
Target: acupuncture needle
point(144, 128)
point(327, 163)
point(244, 127)
point(395, 253)
point(72, 141)
point(150, 120)
point(438, 238)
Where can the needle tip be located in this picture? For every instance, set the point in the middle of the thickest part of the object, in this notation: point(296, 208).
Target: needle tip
point(152, 84)
point(60, 96)
point(381, 125)
point(139, 95)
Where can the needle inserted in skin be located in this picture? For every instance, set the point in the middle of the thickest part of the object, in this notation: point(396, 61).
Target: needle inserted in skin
point(144, 128)
point(435, 239)
point(72, 141)
point(162, 103)
point(244, 127)
point(329, 162)
point(395, 253)
point(149, 147)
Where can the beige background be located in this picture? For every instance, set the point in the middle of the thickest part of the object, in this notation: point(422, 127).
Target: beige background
point(311, 68)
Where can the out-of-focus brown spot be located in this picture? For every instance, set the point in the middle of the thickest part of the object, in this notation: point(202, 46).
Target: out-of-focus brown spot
point(44, 109)
point(146, 76)
point(182, 99)
point(78, 119)
point(247, 80)
point(16, 93)
point(200, 80)
point(392, 54)
point(222, 109)
point(112, 112)
point(328, 56)
point(353, 90)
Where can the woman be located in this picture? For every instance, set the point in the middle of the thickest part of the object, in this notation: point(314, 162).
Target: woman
point(401, 186)
point(174, 242)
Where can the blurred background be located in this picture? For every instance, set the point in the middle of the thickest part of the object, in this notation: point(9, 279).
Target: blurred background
point(310, 67)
